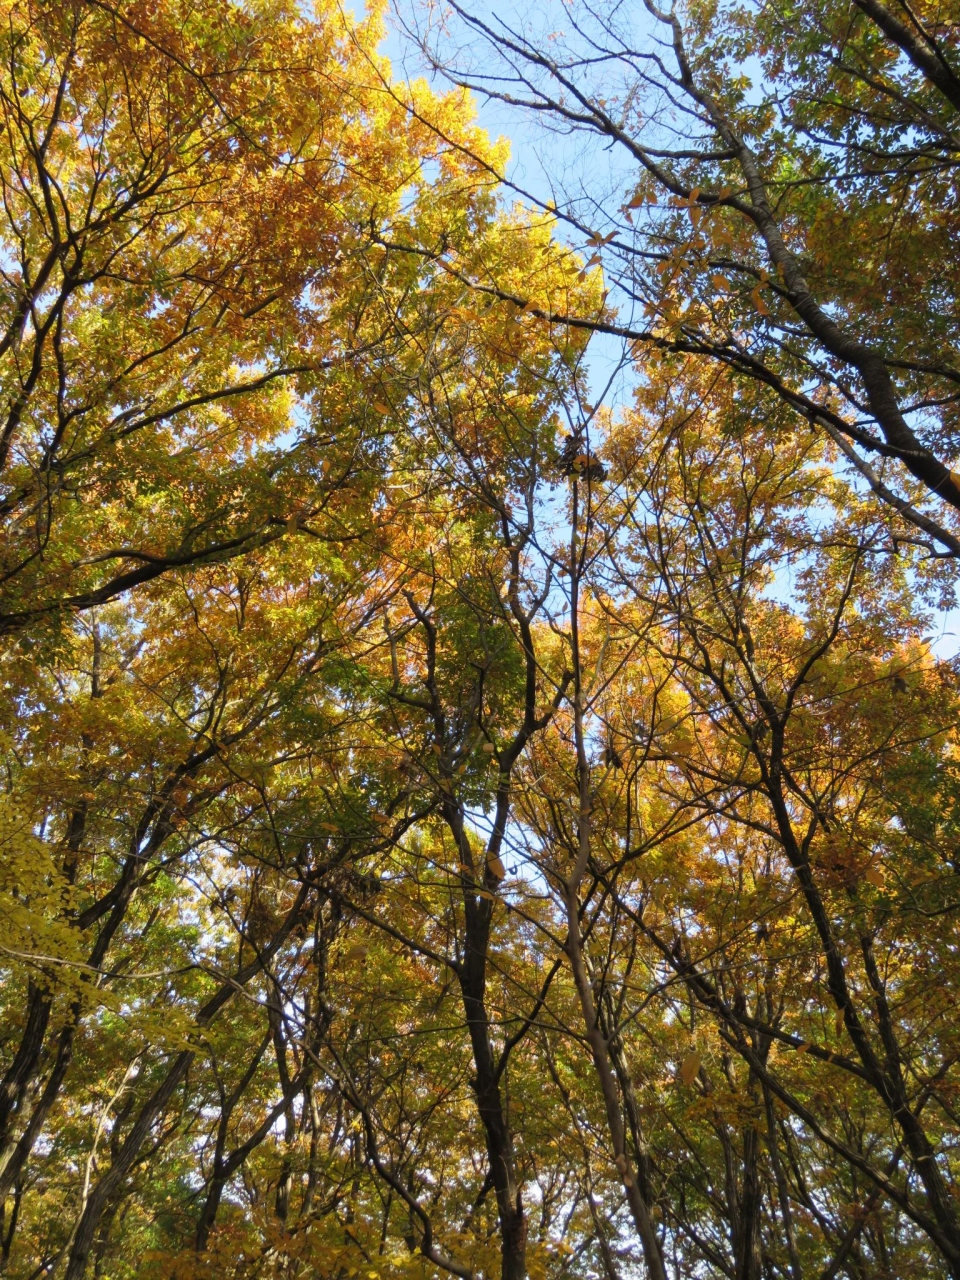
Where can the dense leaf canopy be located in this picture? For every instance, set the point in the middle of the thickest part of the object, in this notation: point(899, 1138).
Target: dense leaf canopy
point(449, 827)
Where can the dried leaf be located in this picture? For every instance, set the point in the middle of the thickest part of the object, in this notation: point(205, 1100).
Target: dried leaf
point(689, 1068)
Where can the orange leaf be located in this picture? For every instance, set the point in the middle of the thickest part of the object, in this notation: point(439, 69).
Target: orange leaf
point(689, 1068)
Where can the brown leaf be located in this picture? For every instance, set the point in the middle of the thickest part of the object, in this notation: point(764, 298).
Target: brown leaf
point(689, 1068)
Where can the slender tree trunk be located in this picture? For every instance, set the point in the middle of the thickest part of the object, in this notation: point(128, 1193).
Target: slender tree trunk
point(496, 1124)
point(129, 1150)
point(599, 1048)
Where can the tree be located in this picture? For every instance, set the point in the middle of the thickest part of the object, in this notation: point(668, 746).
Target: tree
point(187, 282)
point(506, 837)
point(785, 205)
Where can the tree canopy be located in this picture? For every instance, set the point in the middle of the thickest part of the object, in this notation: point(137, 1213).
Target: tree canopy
point(456, 822)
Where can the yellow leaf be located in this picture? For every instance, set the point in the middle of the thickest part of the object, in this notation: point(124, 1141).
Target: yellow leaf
point(689, 1068)
point(496, 867)
point(381, 407)
point(720, 282)
point(358, 952)
point(759, 302)
point(874, 876)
